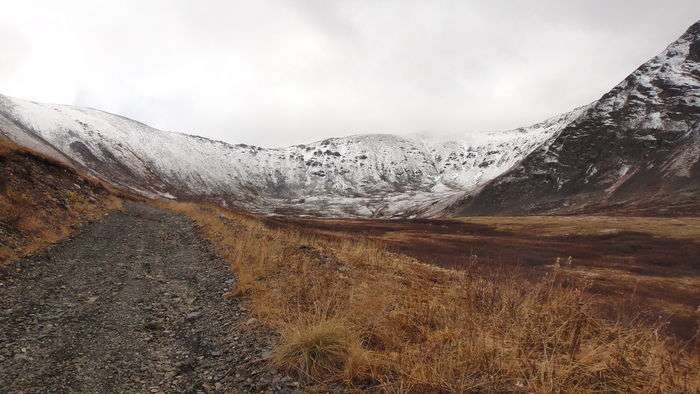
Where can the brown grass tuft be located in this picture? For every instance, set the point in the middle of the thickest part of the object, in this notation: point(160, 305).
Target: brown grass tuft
point(320, 350)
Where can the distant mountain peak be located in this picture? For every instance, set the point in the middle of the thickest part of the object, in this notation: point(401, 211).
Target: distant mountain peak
point(635, 149)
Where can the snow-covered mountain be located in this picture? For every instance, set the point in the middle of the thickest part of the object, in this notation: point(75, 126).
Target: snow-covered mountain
point(636, 150)
point(362, 175)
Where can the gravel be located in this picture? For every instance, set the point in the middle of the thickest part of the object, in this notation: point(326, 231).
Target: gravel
point(131, 303)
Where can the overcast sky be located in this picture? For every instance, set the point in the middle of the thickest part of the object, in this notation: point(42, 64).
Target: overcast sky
point(281, 72)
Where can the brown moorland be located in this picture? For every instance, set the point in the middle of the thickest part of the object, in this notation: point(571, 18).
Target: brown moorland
point(355, 302)
point(648, 265)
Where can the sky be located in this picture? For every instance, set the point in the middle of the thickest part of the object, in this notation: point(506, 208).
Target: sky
point(275, 73)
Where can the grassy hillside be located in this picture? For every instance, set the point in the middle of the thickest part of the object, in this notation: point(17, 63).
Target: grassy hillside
point(40, 201)
point(351, 311)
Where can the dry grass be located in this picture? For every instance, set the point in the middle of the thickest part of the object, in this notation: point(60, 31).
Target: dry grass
point(654, 260)
point(350, 311)
point(675, 228)
point(318, 350)
point(40, 201)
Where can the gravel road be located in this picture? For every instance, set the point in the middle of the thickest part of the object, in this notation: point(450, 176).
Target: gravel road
point(131, 303)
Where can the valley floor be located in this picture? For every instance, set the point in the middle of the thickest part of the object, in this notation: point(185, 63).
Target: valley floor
point(131, 303)
point(642, 264)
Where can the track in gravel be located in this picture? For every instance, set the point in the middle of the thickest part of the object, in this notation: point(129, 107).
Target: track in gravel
point(131, 303)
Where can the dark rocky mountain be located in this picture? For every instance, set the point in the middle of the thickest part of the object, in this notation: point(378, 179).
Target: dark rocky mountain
point(635, 151)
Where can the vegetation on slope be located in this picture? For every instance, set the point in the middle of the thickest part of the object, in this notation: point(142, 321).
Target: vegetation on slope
point(40, 201)
point(350, 311)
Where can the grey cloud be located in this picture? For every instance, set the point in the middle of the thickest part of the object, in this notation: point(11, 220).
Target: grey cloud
point(281, 72)
point(13, 48)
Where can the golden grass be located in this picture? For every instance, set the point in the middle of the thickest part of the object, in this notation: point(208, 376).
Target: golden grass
point(34, 213)
point(678, 228)
point(321, 349)
point(350, 311)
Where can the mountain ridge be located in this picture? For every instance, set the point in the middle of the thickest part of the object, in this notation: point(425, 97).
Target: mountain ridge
point(636, 150)
point(357, 175)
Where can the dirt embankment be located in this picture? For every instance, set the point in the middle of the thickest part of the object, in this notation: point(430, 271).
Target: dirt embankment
point(41, 200)
point(131, 303)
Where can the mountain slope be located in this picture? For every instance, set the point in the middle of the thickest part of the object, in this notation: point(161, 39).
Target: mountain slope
point(41, 201)
point(364, 175)
point(635, 151)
